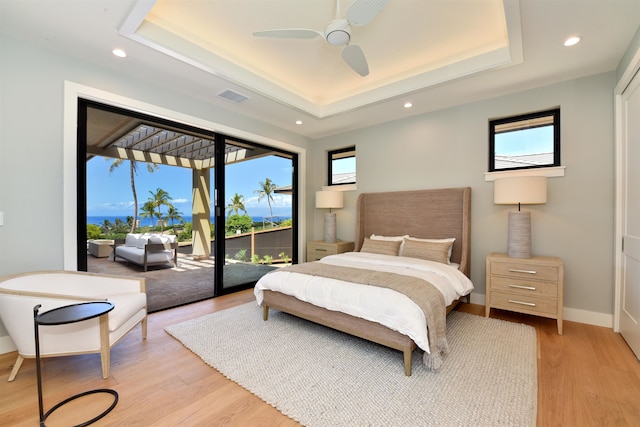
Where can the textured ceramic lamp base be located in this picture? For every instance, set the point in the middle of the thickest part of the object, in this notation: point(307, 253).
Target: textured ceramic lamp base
point(519, 239)
point(330, 228)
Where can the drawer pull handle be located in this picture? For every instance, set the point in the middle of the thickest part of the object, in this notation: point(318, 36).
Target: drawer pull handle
point(320, 250)
point(528, 288)
point(516, 270)
point(530, 304)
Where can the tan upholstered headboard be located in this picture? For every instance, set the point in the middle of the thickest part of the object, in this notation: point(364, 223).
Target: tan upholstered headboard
point(427, 214)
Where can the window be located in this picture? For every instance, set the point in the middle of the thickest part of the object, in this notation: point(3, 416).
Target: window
point(524, 142)
point(342, 166)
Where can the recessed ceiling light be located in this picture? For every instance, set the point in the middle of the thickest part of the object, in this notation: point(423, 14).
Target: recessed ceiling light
point(119, 53)
point(298, 122)
point(573, 40)
point(408, 105)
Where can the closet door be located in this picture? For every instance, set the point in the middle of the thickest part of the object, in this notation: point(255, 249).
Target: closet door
point(630, 218)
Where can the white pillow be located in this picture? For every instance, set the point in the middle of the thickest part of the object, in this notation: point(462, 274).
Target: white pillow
point(142, 241)
point(131, 239)
point(161, 238)
point(391, 239)
point(450, 240)
point(154, 238)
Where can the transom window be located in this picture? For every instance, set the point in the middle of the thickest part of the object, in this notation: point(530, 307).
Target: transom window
point(342, 166)
point(525, 141)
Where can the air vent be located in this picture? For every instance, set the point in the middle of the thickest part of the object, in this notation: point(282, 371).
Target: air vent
point(233, 96)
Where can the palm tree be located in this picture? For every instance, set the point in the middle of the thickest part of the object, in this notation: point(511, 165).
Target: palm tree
point(106, 226)
point(133, 171)
point(160, 198)
point(173, 214)
point(266, 189)
point(236, 204)
point(148, 210)
point(130, 222)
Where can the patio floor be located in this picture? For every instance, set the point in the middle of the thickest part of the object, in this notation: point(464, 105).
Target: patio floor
point(189, 282)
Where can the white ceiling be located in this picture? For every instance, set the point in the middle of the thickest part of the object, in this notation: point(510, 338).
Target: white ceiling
point(434, 53)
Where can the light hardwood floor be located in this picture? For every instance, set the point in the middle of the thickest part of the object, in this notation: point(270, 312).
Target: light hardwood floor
point(587, 377)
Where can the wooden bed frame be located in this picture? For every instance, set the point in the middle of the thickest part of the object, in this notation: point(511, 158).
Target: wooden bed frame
point(427, 214)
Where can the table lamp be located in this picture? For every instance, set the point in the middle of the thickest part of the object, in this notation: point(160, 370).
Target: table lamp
point(329, 200)
point(520, 190)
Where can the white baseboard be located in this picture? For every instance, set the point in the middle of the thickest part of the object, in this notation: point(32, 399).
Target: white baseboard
point(7, 345)
point(570, 314)
point(588, 317)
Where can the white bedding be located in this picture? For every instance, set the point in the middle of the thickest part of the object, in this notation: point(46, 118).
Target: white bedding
point(382, 305)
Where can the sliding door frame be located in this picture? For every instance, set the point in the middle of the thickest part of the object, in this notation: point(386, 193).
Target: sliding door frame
point(74, 163)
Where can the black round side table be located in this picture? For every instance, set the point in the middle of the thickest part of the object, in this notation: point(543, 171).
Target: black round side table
point(61, 316)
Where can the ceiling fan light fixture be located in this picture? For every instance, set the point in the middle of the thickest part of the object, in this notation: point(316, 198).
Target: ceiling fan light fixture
point(337, 32)
point(338, 38)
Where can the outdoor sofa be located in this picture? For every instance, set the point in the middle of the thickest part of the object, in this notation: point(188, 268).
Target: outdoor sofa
point(147, 249)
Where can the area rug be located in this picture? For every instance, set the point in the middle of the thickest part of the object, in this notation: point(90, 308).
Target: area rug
point(321, 377)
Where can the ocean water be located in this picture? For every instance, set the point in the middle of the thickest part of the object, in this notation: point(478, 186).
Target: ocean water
point(99, 220)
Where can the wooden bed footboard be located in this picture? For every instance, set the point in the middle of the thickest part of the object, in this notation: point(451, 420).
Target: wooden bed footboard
point(356, 326)
point(424, 214)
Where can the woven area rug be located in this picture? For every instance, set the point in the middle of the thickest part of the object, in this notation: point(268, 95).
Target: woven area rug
point(321, 377)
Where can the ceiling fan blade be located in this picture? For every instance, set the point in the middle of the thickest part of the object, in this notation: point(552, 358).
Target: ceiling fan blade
point(354, 57)
point(363, 11)
point(289, 33)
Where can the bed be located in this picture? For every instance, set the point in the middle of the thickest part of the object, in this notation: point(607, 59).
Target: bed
point(383, 218)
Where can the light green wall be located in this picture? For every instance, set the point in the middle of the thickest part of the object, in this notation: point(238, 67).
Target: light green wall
point(31, 144)
point(441, 149)
point(449, 148)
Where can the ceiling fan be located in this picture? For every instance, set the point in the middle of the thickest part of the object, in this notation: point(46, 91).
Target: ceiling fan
point(338, 32)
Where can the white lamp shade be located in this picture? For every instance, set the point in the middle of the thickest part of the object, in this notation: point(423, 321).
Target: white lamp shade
point(329, 199)
point(526, 190)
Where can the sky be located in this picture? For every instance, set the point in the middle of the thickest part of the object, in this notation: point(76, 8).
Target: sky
point(110, 194)
point(528, 141)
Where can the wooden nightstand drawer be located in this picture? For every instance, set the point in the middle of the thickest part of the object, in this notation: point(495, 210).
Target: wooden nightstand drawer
point(525, 270)
point(318, 249)
point(524, 304)
point(524, 287)
point(316, 253)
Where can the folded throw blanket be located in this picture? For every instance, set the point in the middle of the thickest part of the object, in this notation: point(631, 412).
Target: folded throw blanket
point(420, 291)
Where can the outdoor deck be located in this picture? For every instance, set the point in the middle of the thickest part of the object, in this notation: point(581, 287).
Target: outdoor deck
point(190, 281)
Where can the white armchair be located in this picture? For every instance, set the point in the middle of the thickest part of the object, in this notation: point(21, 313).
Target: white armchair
point(20, 293)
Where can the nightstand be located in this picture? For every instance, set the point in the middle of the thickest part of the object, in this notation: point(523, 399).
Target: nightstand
point(532, 285)
point(319, 249)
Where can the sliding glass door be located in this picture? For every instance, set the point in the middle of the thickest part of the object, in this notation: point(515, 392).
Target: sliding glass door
point(229, 203)
point(255, 211)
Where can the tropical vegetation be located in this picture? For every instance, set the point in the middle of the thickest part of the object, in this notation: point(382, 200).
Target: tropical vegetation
point(238, 220)
point(133, 171)
point(266, 190)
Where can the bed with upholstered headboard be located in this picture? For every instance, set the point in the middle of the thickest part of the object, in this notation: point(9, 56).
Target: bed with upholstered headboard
point(428, 214)
point(428, 217)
